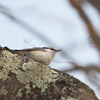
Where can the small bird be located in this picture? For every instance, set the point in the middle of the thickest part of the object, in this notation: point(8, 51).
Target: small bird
point(43, 55)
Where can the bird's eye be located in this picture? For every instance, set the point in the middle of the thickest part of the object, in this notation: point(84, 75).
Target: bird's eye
point(52, 48)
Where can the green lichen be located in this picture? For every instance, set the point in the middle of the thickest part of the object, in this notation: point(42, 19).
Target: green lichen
point(19, 94)
point(27, 87)
point(8, 62)
point(38, 74)
point(3, 90)
point(68, 98)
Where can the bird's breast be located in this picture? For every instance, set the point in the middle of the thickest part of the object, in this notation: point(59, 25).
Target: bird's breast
point(40, 56)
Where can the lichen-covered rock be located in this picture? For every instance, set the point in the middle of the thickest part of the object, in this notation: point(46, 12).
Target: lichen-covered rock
point(25, 79)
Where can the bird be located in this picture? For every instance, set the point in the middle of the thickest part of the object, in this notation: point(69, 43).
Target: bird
point(42, 55)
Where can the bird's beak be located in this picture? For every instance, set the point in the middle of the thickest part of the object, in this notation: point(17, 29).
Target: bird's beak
point(58, 50)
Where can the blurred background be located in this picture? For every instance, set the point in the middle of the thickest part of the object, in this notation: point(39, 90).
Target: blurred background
point(70, 25)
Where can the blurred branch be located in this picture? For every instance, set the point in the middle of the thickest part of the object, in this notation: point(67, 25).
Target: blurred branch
point(95, 3)
point(94, 36)
point(85, 69)
point(90, 71)
point(6, 12)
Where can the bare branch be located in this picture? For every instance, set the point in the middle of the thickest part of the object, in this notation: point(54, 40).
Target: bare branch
point(94, 36)
point(95, 3)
